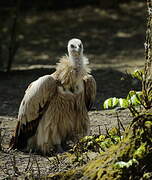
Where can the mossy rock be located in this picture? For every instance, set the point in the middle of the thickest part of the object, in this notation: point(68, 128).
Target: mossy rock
point(129, 159)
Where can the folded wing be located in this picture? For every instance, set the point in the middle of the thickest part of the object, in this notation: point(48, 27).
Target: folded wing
point(35, 102)
point(90, 90)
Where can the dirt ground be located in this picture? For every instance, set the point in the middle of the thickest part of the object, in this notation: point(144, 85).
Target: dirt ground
point(114, 43)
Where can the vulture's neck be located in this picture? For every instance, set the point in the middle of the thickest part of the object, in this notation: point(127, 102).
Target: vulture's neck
point(71, 72)
point(76, 62)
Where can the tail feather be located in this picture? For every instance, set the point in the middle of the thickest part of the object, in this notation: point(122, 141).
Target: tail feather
point(22, 134)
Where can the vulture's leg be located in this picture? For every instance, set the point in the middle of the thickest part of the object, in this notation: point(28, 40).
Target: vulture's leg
point(45, 148)
point(65, 145)
point(59, 148)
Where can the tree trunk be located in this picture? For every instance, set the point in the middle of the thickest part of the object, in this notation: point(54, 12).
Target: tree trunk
point(13, 45)
point(147, 78)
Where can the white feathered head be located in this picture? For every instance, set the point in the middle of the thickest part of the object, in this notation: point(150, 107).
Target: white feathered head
point(75, 48)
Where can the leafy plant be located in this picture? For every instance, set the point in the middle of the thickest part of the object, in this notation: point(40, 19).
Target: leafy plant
point(96, 143)
point(134, 98)
point(122, 164)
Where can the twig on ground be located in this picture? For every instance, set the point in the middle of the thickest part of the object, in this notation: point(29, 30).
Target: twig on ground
point(5, 171)
point(14, 164)
point(29, 161)
point(31, 166)
point(58, 161)
point(38, 168)
point(99, 129)
point(120, 125)
point(107, 132)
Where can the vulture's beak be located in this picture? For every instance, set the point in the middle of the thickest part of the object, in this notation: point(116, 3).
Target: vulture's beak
point(76, 51)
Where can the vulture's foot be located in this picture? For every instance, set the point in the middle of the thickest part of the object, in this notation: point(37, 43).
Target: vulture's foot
point(59, 148)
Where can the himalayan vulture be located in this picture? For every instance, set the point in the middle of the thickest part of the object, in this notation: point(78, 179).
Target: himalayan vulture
point(55, 107)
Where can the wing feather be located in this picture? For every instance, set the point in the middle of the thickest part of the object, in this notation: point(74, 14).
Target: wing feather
point(90, 90)
point(35, 102)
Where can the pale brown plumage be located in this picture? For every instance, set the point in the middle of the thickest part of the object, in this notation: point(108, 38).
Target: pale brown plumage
point(55, 108)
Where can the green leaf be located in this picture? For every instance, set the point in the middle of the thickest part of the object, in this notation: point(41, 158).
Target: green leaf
point(90, 143)
point(134, 98)
point(138, 74)
point(100, 138)
point(122, 164)
point(124, 103)
point(86, 139)
point(115, 101)
point(116, 138)
point(113, 131)
point(130, 94)
point(140, 152)
point(111, 103)
point(108, 103)
point(106, 144)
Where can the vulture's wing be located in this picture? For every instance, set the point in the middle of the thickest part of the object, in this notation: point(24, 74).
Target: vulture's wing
point(90, 90)
point(35, 102)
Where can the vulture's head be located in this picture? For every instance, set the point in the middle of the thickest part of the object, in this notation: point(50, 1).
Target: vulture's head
point(75, 48)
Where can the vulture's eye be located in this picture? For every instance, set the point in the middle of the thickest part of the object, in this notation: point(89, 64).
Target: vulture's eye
point(72, 46)
point(80, 46)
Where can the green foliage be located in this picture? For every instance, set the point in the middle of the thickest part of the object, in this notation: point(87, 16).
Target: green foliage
point(122, 164)
point(147, 176)
point(138, 154)
point(138, 74)
point(111, 103)
point(133, 99)
point(95, 143)
point(128, 159)
point(99, 143)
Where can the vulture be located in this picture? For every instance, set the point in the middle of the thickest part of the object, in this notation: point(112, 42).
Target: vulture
point(55, 107)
